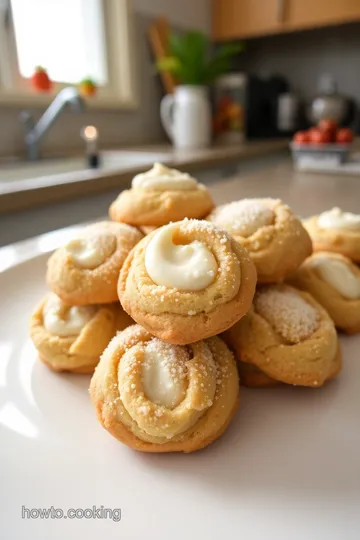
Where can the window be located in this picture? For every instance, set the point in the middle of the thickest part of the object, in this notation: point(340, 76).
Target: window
point(73, 40)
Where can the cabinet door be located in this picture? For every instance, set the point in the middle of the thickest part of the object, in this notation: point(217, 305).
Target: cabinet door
point(311, 13)
point(246, 18)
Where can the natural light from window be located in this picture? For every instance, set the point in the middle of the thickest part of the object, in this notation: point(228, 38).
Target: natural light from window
point(66, 37)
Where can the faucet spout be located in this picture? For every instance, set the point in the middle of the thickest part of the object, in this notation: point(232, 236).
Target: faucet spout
point(67, 96)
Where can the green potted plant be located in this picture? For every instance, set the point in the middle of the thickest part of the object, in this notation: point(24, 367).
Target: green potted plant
point(186, 115)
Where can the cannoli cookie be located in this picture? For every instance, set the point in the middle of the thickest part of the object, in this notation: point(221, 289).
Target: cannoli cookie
point(336, 231)
point(86, 270)
point(159, 196)
point(72, 338)
point(288, 336)
point(146, 229)
point(187, 281)
point(252, 377)
point(334, 281)
point(274, 237)
point(157, 397)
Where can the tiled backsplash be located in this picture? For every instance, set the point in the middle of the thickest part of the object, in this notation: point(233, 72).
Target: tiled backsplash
point(302, 56)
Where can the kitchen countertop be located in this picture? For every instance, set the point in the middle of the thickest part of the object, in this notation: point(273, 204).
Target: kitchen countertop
point(24, 194)
point(306, 193)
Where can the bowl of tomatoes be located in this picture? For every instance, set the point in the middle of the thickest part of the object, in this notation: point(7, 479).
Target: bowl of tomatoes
point(326, 141)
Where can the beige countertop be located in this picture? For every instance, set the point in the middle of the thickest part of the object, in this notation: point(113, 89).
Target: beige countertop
point(306, 193)
point(27, 193)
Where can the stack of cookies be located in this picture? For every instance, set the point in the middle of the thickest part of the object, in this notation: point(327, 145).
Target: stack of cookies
point(287, 336)
point(73, 324)
point(163, 297)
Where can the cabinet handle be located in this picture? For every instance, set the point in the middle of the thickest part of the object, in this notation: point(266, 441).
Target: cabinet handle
point(280, 11)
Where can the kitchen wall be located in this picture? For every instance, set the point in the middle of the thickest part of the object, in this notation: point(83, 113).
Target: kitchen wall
point(303, 56)
point(116, 127)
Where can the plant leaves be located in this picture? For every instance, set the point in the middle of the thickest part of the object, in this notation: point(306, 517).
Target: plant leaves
point(191, 49)
point(190, 61)
point(229, 49)
point(215, 68)
point(169, 63)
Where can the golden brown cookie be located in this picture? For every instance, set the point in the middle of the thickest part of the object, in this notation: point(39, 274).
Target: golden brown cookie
point(252, 377)
point(334, 281)
point(187, 281)
point(157, 397)
point(72, 338)
point(274, 237)
point(336, 231)
point(146, 229)
point(288, 336)
point(159, 196)
point(86, 270)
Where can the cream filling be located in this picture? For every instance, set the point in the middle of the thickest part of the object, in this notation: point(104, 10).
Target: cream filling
point(245, 217)
point(338, 275)
point(337, 219)
point(190, 267)
point(91, 250)
point(161, 178)
point(62, 320)
point(163, 373)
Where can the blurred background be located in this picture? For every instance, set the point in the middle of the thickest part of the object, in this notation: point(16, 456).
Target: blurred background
point(82, 86)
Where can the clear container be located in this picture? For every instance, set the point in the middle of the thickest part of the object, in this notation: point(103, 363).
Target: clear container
point(229, 108)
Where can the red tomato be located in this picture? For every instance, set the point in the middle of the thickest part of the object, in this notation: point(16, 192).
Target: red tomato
point(344, 135)
point(328, 125)
point(319, 137)
point(301, 137)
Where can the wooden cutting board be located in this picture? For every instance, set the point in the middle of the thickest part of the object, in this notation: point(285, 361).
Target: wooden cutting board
point(158, 33)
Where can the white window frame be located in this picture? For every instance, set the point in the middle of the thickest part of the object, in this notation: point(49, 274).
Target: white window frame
point(121, 91)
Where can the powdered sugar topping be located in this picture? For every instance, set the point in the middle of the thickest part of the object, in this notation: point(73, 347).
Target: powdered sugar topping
point(245, 217)
point(287, 312)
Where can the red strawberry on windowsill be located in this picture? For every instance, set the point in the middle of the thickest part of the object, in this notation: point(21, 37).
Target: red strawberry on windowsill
point(40, 80)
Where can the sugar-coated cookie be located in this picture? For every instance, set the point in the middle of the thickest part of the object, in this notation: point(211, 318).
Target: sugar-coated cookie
point(157, 397)
point(288, 336)
point(187, 281)
point(146, 229)
point(159, 196)
point(252, 377)
point(86, 270)
point(72, 338)
point(274, 237)
point(334, 281)
point(336, 231)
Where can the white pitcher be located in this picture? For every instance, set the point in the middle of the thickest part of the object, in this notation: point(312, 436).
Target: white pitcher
point(186, 116)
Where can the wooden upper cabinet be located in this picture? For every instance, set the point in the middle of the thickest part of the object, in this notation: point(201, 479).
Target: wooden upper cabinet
point(250, 18)
point(244, 18)
point(312, 13)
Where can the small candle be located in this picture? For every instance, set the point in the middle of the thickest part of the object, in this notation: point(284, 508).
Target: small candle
point(90, 136)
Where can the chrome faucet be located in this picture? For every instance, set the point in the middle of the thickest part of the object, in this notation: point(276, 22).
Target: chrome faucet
point(35, 132)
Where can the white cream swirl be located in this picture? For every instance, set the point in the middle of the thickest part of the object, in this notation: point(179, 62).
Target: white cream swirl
point(337, 219)
point(164, 373)
point(161, 178)
point(62, 320)
point(92, 249)
point(189, 267)
point(338, 275)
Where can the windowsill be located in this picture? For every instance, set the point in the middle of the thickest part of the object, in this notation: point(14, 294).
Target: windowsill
point(21, 99)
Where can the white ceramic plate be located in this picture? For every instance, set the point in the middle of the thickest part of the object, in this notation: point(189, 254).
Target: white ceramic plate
point(287, 469)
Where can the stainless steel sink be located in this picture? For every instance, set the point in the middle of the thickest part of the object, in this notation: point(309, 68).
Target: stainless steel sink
point(109, 160)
